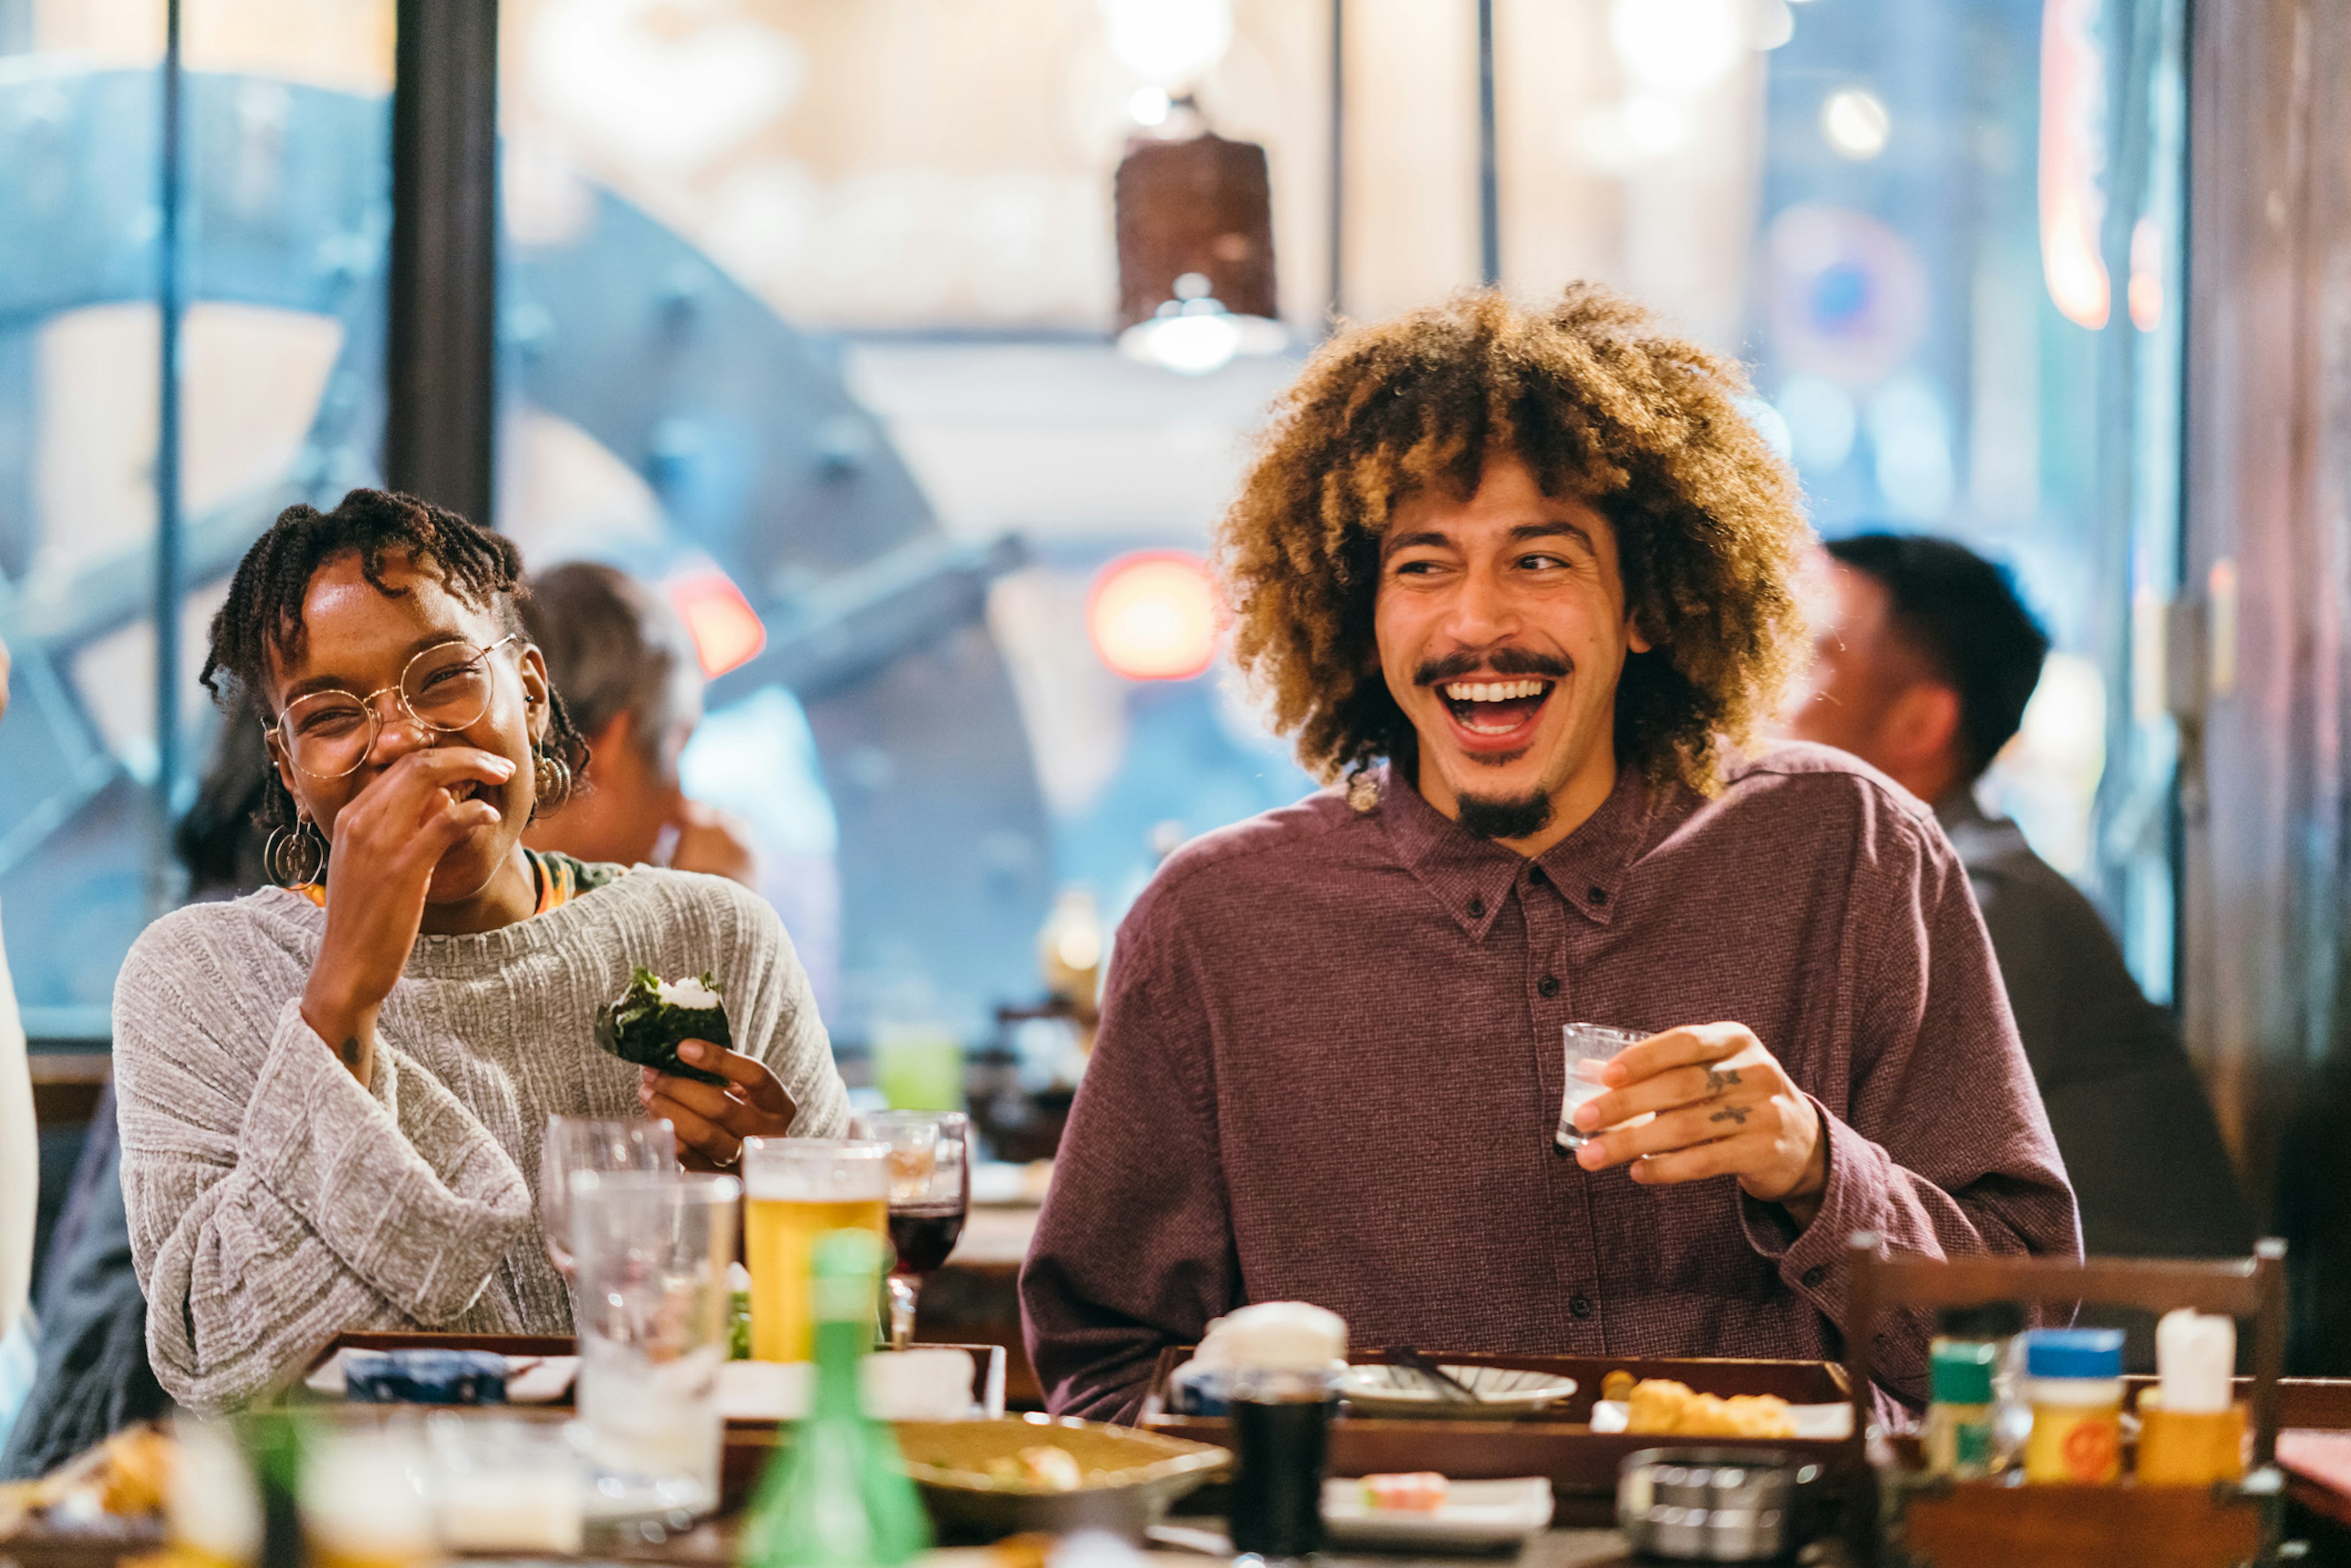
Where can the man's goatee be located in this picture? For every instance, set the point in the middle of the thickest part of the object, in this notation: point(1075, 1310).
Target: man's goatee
point(1513, 819)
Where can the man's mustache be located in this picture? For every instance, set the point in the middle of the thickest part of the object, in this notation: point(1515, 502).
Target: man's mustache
point(1504, 661)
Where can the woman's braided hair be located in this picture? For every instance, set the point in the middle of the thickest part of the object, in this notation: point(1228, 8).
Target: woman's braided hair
point(262, 617)
point(1600, 402)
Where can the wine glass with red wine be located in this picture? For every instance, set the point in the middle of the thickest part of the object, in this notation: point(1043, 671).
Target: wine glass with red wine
point(930, 1193)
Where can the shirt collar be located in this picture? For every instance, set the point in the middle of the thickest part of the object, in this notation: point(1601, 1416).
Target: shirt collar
point(1472, 876)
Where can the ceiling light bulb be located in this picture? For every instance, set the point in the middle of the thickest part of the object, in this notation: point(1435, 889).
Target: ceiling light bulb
point(1168, 42)
point(1682, 47)
point(1149, 106)
point(1856, 123)
point(1188, 345)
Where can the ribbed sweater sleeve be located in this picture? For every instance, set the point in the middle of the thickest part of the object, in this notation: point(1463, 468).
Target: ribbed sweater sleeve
point(265, 1222)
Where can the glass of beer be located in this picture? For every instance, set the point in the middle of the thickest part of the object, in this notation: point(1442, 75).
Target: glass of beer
point(930, 1194)
point(796, 1190)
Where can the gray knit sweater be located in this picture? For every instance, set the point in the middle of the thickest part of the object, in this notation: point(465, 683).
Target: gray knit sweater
point(273, 1202)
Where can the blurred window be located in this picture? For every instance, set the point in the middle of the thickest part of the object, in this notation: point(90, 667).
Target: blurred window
point(283, 208)
point(804, 316)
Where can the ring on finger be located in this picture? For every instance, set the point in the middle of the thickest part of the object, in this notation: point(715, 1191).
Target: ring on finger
point(731, 1161)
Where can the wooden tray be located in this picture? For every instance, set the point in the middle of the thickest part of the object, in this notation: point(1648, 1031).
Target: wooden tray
point(1981, 1525)
point(1560, 1444)
point(1898, 1516)
point(987, 1376)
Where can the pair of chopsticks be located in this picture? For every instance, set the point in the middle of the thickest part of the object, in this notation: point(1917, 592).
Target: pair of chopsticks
point(1451, 1388)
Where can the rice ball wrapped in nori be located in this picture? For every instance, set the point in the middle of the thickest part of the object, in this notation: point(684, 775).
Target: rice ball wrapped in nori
point(646, 1023)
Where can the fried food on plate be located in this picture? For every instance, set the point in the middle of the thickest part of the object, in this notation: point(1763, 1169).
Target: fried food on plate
point(1659, 1406)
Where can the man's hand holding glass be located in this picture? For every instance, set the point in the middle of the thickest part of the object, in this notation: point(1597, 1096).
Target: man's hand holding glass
point(1722, 1105)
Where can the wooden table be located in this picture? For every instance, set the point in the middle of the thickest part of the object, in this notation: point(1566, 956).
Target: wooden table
point(713, 1545)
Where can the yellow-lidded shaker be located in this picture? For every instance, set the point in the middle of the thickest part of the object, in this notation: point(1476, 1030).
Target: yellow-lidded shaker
point(2073, 1381)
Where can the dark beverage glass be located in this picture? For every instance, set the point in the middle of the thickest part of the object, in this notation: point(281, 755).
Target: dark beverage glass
point(930, 1193)
point(1281, 1430)
point(924, 1237)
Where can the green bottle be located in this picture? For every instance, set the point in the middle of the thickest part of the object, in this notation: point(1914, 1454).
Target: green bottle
point(840, 1498)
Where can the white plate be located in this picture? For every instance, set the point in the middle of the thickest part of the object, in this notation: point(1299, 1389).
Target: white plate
point(995, 1184)
point(1833, 1422)
point(1476, 1513)
point(530, 1379)
point(929, 1385)
point(1503, 1392)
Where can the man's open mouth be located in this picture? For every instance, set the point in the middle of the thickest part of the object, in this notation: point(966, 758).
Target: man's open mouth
point(1495, 708)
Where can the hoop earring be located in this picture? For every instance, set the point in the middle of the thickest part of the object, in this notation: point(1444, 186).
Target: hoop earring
point(552, 782)
point(294, 857)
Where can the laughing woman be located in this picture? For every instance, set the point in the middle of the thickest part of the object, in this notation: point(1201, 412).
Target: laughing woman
point(332, 1092)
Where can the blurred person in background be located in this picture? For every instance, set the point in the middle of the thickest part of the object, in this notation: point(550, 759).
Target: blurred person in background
point(20, 1171)
point(93, 1377)
point(222, 839)
point(1923, 667)
point(73, 1368)
point(628, 672)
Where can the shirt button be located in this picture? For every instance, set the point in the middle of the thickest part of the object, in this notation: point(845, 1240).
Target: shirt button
point(1813, 1276)
point(1579, 1305)
point(1477, 909)
point(1548, 984)
point(1536, 877)
point(1597, 893)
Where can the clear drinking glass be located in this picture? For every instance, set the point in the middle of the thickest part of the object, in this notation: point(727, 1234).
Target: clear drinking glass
point(505, 1484)
point(592, 1144)
point(1590, 1047)
point(930, 1194)
point(799, 1188)
point(652, 1254)
point(365, 1489)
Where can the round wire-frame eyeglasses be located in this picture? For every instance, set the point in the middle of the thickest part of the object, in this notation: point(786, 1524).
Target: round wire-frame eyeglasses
point(443, 688)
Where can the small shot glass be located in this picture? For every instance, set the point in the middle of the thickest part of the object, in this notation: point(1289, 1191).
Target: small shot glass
point(1590, 1047)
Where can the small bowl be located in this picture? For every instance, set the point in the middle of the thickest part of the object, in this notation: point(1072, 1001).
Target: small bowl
point(1131, 1476)
point(1712, 1505)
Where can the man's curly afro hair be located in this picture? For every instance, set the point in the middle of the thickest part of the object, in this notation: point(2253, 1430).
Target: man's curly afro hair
point(1599, 402)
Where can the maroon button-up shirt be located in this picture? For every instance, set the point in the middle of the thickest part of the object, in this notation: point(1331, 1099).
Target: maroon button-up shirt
point(1330, 1070)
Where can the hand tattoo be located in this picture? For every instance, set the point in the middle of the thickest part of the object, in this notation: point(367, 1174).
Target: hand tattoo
point(1736, 1114)
point(1716, 1082)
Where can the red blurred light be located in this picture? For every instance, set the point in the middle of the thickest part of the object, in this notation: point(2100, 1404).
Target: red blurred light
point(726, 630)
point(1153, 615)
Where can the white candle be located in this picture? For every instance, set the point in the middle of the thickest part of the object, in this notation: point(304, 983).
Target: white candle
point(2195, 1361)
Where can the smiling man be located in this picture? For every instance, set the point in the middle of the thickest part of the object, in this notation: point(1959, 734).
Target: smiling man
point(1519, 584)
